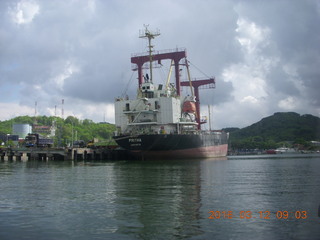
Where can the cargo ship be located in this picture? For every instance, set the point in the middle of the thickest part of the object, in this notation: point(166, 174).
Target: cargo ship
point(160, 122)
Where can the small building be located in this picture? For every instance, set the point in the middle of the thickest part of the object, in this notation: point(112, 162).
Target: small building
point(3, 137)
point(14, 138)
point(44, 130)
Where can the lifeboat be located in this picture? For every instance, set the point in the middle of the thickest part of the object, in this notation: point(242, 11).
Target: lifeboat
point(189, 107)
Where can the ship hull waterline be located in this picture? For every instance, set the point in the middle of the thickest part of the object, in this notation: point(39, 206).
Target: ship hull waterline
point(174, 146)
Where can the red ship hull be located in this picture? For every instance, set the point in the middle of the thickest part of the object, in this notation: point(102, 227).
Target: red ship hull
point(201, 152)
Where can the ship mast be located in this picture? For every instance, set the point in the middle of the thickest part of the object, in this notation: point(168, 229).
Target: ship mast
point(139, 60)
point(150, 35)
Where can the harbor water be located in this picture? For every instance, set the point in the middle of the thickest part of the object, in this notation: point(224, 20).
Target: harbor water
point(246, 197)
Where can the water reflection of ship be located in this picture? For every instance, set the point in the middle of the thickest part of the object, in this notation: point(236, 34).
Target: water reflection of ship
point(160, 122)
point(162, 198)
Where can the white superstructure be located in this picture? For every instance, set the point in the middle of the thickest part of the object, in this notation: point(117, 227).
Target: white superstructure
point(157, 109)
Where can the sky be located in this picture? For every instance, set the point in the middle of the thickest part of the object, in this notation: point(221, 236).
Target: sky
point(264, 55)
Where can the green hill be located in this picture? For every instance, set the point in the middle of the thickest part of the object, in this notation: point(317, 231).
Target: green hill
point(275, 130)
point(82, 129)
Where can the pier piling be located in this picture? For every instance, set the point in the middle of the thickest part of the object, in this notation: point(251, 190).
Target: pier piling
point(63, 154)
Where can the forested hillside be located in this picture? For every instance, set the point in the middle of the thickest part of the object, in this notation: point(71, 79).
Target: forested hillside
point(82, 129)
point(276, 130)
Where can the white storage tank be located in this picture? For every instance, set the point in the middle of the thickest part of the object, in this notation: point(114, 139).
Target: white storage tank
point(21, 129)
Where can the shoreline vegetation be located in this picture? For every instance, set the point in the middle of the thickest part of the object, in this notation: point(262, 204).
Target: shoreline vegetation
point(66, 130)
point(287, 130)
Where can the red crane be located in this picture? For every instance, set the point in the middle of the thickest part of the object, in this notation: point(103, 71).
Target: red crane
point(176, 56)
point(196, 84)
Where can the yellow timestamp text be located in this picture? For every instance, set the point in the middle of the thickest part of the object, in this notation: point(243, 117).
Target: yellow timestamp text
point(247, 214)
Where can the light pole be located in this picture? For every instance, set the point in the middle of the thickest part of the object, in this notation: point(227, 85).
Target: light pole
point(72, 135)
point(7, 143)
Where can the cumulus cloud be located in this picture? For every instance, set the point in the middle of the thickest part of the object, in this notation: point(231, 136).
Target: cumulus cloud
point(12, 110)
point(276, 50)
point(23, 12)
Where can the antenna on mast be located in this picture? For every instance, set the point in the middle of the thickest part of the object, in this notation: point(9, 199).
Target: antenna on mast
point(62, 110)
point(35, 113)
point(35, 108)
point(150, 35)
point(209, 116)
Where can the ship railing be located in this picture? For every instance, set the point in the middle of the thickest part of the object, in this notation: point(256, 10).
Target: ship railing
point(212, 132)
point(134, 66)
point(159, 52)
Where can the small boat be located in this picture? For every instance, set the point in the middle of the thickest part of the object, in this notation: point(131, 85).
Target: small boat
point(271, 151)
point(282, 150)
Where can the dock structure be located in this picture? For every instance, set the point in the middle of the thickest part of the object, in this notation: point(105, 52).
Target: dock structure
point(63, 154)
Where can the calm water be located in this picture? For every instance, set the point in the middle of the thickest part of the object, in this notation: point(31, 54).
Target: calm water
point(161, 199)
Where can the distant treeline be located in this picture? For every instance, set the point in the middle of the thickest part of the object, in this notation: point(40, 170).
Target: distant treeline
point(85, 129)
point(281, 129)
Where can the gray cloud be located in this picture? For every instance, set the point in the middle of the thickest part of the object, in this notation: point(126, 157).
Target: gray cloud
point(295, 35)
point(262, 53)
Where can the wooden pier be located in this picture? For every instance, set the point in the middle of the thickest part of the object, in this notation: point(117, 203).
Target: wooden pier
point(63, 154)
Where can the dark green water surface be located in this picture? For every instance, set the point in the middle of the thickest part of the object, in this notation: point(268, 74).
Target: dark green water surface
point(169, 199)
